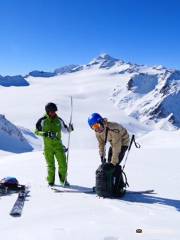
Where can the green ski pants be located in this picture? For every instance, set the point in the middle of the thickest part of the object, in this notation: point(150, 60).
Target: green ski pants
point(50, 156)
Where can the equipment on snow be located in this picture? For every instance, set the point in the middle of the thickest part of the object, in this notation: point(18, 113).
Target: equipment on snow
point(59, 189)
point(111, 181)
point(72, 189)
point(9, 184)
point(17, 208)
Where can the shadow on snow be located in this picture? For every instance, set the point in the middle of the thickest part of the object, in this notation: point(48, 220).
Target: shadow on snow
point(137, 198)
point(149, 199)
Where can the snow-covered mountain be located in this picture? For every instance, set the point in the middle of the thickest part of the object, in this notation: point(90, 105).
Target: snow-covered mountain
point(14, 139)
point(150, 94)
point(17, 81)
point(37, 73)
point(66, 69)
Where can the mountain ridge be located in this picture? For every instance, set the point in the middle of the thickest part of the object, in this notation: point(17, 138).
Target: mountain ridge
point(149, 93)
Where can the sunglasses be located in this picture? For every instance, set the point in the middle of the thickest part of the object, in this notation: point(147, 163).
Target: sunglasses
point(96, 126)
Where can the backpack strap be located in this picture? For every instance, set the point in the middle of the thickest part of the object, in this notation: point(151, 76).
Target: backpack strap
point(106, 134)
point(105, 141)
point(125, 177)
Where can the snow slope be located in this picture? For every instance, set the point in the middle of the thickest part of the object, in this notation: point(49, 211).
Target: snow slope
point(48, 215)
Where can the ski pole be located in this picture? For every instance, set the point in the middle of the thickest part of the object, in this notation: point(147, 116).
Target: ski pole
point(129, 148)
point(69, 138)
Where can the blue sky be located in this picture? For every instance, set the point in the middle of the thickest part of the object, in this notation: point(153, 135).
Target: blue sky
point(46, 34)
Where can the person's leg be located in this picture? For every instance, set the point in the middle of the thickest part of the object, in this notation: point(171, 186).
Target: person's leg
point(119, 182)
point(122, 153)
point(62, 164)
point(49, 156)
point(109, 154)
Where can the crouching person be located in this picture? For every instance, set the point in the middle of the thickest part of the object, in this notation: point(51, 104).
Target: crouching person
point(118, 137)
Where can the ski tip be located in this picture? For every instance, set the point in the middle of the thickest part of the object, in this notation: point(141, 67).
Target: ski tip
point(15, 214)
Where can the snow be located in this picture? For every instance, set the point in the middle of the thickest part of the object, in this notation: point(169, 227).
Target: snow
point(48, 215)
point(66, 69)
point(144, 83)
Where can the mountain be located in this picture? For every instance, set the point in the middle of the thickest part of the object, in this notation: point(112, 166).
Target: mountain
point(104, 61)
point(17, 81)
point(66, 69)
point(12, 138)
point(37, 73)
point(150, 94)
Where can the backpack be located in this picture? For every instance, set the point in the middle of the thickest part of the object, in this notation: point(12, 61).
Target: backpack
point(111, 181)
point(10, 183)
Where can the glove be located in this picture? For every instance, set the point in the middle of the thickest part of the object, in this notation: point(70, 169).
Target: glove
point(45, 134)
point(71, 128)
point(65, 148)
point(103, 159)
point(51, 135)
point(114, 164)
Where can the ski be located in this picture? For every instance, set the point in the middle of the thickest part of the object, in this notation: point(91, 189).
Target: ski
point(91, 191)
point(17, 208)
point(149, 191)
point(71, 190)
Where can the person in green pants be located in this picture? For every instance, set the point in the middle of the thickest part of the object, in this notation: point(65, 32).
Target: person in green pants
point(50, 127)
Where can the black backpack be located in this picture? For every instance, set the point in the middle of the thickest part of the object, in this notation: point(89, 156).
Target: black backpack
point(10, 184)
point(111, 181)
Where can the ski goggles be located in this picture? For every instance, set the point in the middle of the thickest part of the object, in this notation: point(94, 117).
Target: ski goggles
point(96, 126)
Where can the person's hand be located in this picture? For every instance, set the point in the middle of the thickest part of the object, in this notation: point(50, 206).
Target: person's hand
point(113, 164)
point(45, 134)
point(71, 128)
point(103, 159)
point(65, 148)
point(51, 135)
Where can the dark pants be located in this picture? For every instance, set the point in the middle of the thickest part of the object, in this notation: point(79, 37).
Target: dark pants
point(121, 154)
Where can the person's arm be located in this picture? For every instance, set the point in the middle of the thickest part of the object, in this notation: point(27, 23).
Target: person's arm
point(101, 145)
point(64, 127)
point(39, 130)
point(116, 149)
point(119, 137)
